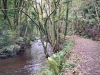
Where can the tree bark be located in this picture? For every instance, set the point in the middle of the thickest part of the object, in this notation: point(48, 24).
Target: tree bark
point(5, 7)
point(5, 12)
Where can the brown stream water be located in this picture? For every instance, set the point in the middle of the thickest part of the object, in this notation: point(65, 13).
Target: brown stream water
point(26, 63)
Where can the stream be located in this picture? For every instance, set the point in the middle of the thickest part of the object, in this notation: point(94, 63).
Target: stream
point(26, 63)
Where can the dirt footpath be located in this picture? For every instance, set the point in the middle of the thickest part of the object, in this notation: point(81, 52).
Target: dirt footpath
point(89, 53)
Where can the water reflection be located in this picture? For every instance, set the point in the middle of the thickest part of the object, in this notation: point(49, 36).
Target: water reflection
point(25, 63)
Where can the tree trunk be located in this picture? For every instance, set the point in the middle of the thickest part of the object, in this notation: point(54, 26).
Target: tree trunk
point(5, 7)
point(5, 12)
point(67, 10)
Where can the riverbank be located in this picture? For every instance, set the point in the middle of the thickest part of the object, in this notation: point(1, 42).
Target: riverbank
point(13, 50)
point(27, 62)
point(59, 61)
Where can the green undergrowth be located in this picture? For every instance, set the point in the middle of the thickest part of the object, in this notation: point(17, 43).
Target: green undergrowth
point(57, 62)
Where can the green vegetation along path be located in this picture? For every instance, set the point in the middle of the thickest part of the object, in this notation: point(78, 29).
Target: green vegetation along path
point(89, 54)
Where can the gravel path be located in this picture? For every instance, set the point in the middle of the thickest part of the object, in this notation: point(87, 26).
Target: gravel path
point(89, 53)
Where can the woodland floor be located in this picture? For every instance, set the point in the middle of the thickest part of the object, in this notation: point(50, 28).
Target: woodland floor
point(88, 53)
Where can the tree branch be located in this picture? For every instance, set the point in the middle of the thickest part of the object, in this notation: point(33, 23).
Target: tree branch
point(30, 18)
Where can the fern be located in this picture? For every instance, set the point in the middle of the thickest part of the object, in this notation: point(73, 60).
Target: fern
point(57, 61)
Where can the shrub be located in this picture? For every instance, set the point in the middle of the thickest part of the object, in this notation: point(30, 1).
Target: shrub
point(57, 61)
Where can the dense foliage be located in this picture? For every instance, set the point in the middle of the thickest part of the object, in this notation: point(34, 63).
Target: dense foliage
point(88, 19)
point(57, 62)
point(21, 21)
point(51, 20)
